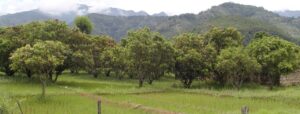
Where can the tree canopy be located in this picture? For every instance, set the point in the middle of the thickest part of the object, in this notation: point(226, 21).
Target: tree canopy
point(41, 58)
point(236, 65)
point(84, 24)
point(41, 49)
point(276, 57)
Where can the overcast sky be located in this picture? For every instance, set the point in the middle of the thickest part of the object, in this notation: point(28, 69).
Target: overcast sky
point(172, 7)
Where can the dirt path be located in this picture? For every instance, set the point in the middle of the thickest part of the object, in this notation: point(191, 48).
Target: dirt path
point(129, 105)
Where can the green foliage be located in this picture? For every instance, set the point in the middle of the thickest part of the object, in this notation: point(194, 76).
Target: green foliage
point(98, 45)
point(149, 54)
point(219, 39)
point(84, 24)
point(143, 54)
point(116, 59)
point(260, 35)
point(193, 58)
point(41, 58)
point(223, 38)
point(12, 38)
point(276, 57)
point(247, 19)
point(139, 48)
point(81, 56)
point(236, 65)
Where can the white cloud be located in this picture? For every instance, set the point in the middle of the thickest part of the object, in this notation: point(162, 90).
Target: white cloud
point(12, 6)
point(150, 6)
point(56, 7)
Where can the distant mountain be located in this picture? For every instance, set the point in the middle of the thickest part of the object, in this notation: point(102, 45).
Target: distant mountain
point(288, 13)
point(127, 13)
point(34, 15)
point(22, 17)
point(120, 12)
point(248, 19)
point(160, 14)
point(116, 22)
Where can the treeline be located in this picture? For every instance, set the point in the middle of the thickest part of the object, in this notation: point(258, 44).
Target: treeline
point(45, 49)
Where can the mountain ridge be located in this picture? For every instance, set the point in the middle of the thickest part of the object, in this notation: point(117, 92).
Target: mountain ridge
point(246, 18)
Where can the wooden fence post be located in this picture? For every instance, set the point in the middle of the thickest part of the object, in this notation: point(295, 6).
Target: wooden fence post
point(245, 110)
point(99, 106)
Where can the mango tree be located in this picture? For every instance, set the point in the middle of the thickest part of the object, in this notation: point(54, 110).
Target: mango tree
point(193, 58)
point(42, 58)
point(276, 56)
point(236, 65)
point(146, 50)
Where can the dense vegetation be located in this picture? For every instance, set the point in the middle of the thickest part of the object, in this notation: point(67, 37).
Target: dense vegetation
point(204, 69)
point(247, 19)
point(46, 48)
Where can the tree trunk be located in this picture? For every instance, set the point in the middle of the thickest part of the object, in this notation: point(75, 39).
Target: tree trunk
point(28, 73)
point(141, 81)
point(43, 89)
point(189, 83)
point(56, 76)
point(44, 84)
point(57, 73)
point(277, 80)
point(150, 81)
point(107, 73)
point(50, 76)
point(130, 76)
point(72, 71)
point(119, 75)
point(220, 80)
point(151, 78)
point(8, 71)
point(76, 72)
point(95, 74)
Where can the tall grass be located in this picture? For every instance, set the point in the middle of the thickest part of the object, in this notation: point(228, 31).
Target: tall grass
point(64, 96)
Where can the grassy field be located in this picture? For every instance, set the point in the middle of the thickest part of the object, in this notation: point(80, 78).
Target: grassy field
point(78, 94)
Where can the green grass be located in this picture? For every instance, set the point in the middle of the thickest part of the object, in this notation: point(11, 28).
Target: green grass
point(69, 104)
point(205, 104)
point(65, 97)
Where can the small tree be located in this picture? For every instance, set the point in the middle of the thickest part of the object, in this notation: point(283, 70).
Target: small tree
point(236, 65)
point(15, 37)
point(42, 58)
point(116, 59)
point(221, 39)
point(188, 67)
point(193, 58)
point(10, 40)
point(144, 54)
point(98, 45)
point(84, 24)
point(276, 57)
point(162, 59)
point(81, 57)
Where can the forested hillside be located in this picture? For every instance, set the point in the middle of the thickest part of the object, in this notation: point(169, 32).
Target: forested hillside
point(247, 19)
